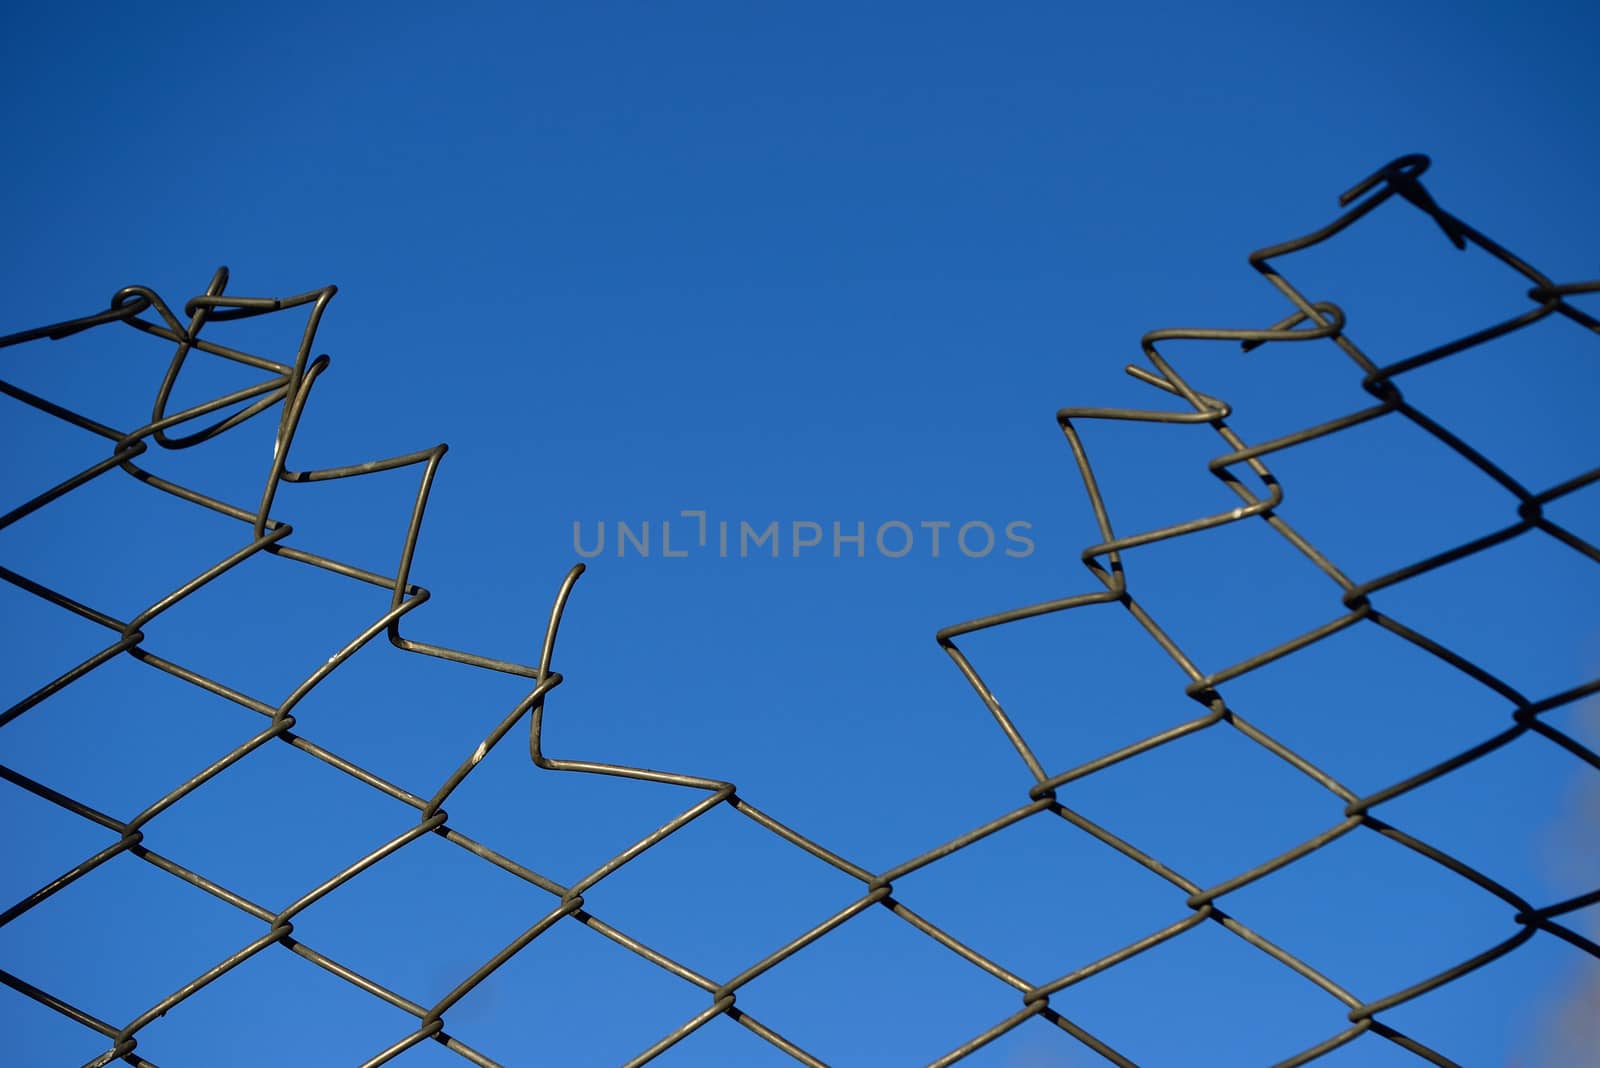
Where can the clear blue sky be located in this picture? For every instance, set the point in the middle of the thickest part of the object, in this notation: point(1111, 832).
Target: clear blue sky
point(796, 263)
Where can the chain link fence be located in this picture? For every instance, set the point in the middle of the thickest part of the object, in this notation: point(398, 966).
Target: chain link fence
point(1042, 1001)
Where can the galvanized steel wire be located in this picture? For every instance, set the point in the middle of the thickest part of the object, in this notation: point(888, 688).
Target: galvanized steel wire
point(1241, 467)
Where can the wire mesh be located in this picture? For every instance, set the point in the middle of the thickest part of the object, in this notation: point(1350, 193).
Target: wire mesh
point(1242, 468)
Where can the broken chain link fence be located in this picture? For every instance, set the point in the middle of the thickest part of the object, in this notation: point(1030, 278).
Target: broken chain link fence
point(1242, 468)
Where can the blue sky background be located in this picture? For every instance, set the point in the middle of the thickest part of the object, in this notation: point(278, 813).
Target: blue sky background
point(796, 263)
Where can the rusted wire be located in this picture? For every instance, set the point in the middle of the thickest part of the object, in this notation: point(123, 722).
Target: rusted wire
point(1242, 469)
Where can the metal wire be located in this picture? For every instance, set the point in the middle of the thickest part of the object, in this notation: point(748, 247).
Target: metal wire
point(1242, 468)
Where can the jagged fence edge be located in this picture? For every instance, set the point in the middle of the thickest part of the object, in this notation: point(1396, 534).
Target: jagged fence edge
point(291, 384)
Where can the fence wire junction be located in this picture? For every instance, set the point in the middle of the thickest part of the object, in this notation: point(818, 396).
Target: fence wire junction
point(1242, 468)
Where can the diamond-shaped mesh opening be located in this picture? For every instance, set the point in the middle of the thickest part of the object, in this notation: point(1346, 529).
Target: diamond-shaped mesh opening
point(116, 941)
point(1368, 707)
point(1041, 897)
point(423, 918)
point(1501, 398)
point(924, 1002)
point(1499, 608)
point(42, 840)
point(1421, 496)
point(334, 1022)
point(1195, 804)
point(1048, 676)
point(1505, 813)
point(1269, 593)
point(56, 450)
point(1161, 1006)
point(46, 642)
point(721, 893)
point(240, 829)
point(77, 546)
point(300, 616)
point(114, 711)
point(1372, 915)
point(609, 1006)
